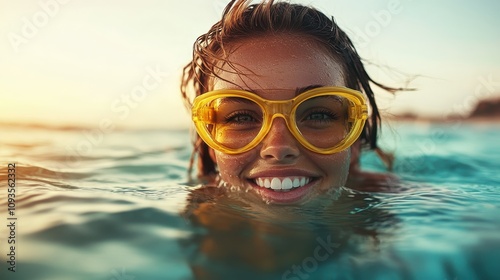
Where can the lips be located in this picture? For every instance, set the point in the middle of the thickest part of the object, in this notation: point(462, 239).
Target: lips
point(283, 186)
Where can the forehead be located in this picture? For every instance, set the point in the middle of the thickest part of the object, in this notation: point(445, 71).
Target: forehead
point(274, 66)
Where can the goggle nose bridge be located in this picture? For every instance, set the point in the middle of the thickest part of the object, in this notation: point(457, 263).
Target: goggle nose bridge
point(275, 108)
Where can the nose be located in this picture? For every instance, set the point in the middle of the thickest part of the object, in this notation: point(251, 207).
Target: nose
point(279, 144)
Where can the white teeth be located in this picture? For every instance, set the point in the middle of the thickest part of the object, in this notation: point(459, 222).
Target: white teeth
point(276, 184)
point(282, 184)
point(267, 184)
point(286, 184)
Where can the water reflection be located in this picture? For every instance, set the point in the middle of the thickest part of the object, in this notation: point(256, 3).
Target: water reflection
point(249, 240)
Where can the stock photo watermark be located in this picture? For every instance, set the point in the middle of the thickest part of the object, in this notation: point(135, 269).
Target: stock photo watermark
point(310, 264)
point(31, 25)
point(121, 108)
point(487, 86)
point(11, 220)
point(219, 6)
point(121, 274)
point(379, 20)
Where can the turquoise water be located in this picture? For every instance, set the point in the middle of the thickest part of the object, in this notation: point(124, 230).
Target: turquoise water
point(119, 206)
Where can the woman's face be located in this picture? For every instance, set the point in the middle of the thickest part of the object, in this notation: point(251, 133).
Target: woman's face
point(277, 67)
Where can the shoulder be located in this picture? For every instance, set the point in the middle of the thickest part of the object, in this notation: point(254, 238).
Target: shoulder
point(372, 181)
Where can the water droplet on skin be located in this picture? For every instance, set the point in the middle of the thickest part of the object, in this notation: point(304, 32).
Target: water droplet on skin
point(334, 193)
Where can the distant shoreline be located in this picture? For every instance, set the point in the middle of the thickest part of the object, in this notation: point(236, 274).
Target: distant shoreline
point(487, 110)
point(416, 118)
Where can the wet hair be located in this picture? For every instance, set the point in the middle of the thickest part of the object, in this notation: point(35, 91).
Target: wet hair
point(241, 19)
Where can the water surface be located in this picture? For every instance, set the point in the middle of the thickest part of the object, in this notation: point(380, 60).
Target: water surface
point(120, 206)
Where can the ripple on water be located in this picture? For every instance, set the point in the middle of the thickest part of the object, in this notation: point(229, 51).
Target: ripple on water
point(125, 206)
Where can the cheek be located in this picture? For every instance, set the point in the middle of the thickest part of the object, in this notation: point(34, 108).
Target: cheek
point(344, 157)
point(336, 166)
point(230, 166)
point(336, 160)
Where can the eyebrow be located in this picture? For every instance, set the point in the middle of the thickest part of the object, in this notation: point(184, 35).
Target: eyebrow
point(235, 100)
point(300, 90)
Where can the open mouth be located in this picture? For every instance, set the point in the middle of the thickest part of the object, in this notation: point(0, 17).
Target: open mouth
point(284, 190)
point(282, 184)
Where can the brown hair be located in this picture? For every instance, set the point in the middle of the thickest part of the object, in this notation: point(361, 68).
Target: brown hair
point(241, 20)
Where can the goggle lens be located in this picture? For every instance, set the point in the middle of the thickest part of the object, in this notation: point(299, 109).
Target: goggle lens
point(323, 120)
point(238, 121)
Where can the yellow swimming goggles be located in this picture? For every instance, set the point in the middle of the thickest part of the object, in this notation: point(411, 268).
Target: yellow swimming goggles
point(325, 120)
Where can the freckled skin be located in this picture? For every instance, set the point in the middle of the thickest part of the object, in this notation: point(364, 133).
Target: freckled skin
point(273, 67)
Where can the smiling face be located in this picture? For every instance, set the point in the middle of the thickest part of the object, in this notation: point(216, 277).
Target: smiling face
point(278, 67)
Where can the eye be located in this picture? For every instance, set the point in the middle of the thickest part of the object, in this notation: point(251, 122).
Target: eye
point(321, 116)
point(241, 117)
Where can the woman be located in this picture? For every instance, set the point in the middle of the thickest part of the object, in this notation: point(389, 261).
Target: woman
point(280, 103)
point(278, 96)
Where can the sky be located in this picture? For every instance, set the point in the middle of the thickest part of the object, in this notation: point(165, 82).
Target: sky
point(101, 63)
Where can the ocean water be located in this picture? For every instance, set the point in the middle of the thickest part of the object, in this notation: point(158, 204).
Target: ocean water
point(119, 206)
